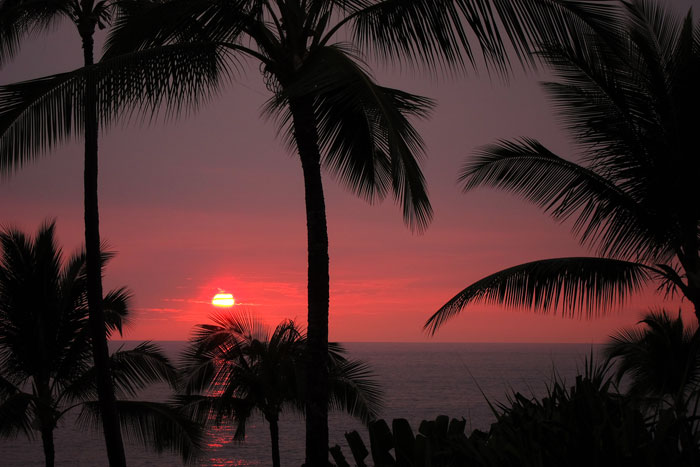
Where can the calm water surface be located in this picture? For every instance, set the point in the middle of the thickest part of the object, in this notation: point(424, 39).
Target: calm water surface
point(420, 381)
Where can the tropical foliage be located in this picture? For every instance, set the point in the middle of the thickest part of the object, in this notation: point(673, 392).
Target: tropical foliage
point(37, 114)
point(236, 367)
point(629, 96)
point(662, 360)
point(587, 423)
point(331, 109)
point(660, 367)
point(45, 351)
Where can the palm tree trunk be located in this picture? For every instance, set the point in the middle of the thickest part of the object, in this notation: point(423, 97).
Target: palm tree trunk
point(275, 440)
point(47, 442)
point(98, 334)
point(316, 402)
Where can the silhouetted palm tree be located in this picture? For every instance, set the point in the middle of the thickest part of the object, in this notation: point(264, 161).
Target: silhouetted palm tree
point(334, 112)
point(37, 114)
point(45, 351)
point(631, 100)
point(661, 361)
point(660, 365)
point(237, 366)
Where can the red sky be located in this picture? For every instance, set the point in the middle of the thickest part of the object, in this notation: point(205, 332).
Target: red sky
point(214, 201)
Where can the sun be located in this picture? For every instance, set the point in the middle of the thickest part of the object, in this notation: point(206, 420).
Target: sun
point(224, 300)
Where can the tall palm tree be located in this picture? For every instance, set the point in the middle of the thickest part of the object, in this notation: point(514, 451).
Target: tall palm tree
point(45, 350)
point(631, 101)
point(332, 110)
point(37, 114)
point(236, 366)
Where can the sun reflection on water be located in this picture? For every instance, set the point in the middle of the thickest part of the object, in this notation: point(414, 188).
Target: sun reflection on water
point(219, 462)
point(220, 442)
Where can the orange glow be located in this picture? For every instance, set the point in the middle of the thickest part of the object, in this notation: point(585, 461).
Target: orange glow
point(223, 300)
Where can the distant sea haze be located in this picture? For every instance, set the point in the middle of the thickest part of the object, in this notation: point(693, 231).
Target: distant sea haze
point(420, 381)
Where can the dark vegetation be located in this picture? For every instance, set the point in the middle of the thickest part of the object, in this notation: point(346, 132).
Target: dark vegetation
point(324, 99)
point(588, 423)
point(236, 366)
point(629, 97)
point(46, 367)
point(626, 84)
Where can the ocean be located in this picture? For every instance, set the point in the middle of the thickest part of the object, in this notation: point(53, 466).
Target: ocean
point(420, 381)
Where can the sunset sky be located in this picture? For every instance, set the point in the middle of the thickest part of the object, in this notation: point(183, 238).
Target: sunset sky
point(213, 202)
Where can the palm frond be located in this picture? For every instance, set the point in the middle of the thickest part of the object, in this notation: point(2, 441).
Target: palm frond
point(7, 388)
point(132, 371)
point(353, 387)
point(198, 369)
point(135, 369)
point(441, 33)
point(16, 416)
point(140, 25)
point(207, 410)
point(660, 360)
point(38, 114)
point(606, 216)
point(22, 18)
point(26, 266)
point(158, 426)
point(531, 23)
point(116, 309)
point(580, 286)
point(365, 134)
point(434, 32)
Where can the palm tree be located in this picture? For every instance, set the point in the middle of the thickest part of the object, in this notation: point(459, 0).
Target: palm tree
point(45, 350)
point(236, 366)
point(661, 364)
point(332, 110)
point(662, 360)
point(631, 101)
point(37, 114)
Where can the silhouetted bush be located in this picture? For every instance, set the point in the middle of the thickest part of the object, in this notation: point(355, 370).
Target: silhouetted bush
point(587, 424)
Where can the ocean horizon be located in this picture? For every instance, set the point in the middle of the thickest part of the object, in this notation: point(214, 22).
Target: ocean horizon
point(420, 380)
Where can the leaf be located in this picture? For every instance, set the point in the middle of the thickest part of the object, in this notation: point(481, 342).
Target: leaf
point(354, 388)
point(36, 115)
point(15, 415)
point(364, 131)
point(605, 214)
point(157, 426)
point(578, 285)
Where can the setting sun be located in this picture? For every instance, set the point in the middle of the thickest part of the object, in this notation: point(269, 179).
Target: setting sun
point(223, 300)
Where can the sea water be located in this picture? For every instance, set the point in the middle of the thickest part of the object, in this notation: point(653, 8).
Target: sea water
point(420, 381)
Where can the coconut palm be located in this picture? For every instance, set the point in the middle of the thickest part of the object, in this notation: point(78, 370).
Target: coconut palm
point(631, 102)
point(37, 114)
point(332, 110)
point(45, 355)
point(661, 361)
point(661, 368)
point(236, 366)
